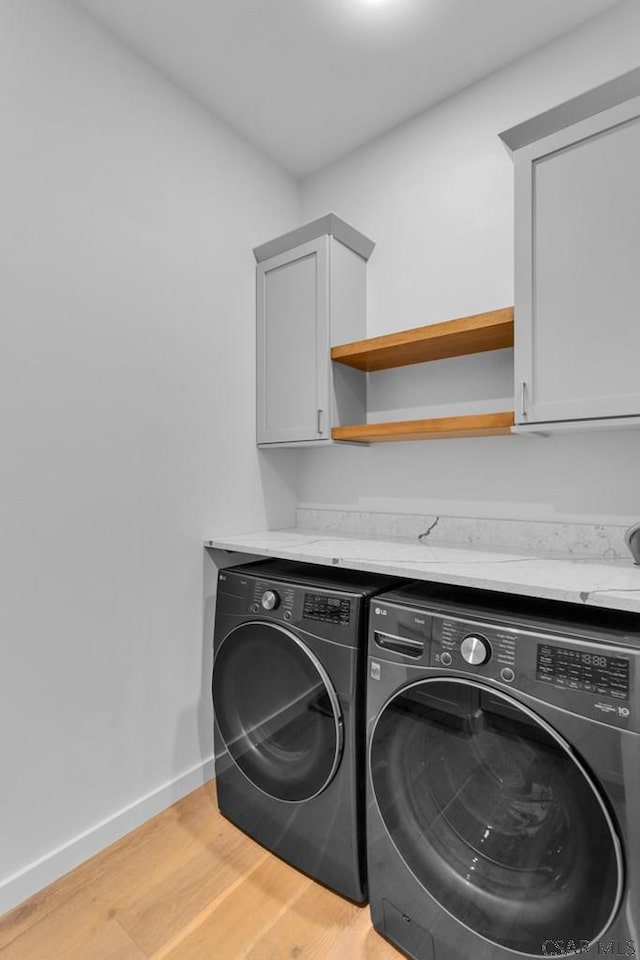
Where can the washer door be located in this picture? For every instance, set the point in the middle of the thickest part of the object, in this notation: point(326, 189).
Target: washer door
point(277, 711)
point(495, 816)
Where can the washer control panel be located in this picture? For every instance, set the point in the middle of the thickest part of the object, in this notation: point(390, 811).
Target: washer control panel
point(270, 600)
point(583, 670)
point(589, 678)
point(474, 647)
point(586, 670)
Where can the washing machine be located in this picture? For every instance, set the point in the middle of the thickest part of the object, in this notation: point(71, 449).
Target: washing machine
point(503, 797)
point(289, 696)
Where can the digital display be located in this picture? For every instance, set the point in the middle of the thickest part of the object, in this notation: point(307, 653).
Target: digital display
point(329, 609)
point(578, 670)
point(596, 661)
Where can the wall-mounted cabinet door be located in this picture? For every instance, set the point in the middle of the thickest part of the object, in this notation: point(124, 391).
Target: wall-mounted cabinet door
point(293, 345)
point(577, 327)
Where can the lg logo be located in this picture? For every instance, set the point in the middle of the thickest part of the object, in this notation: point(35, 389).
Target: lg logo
point(380, 612)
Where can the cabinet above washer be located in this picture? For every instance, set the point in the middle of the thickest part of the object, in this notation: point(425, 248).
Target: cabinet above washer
point(577, 239)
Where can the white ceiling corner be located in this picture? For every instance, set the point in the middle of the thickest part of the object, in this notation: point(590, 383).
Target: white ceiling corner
point(306, 81)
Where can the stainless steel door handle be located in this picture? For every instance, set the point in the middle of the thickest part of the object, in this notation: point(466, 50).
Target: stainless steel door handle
point(523, 398)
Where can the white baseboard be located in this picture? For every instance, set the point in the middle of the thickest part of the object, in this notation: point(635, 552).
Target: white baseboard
point(40, 873)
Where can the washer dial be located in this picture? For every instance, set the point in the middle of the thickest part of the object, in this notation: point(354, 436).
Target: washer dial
point(475, 649)
point(270, 600)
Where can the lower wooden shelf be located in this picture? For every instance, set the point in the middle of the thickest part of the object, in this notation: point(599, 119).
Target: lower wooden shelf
point(440, 428)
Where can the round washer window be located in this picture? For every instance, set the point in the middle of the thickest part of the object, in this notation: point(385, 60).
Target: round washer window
point(277, 711)
point(495, 816)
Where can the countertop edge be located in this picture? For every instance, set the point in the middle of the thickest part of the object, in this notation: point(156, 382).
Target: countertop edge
point(598, 583)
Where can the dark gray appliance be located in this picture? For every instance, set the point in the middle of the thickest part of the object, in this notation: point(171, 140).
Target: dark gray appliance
point(504, 776)
point(289, 696)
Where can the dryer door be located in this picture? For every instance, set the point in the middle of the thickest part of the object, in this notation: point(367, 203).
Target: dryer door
point(277, 711)
point(495, 816)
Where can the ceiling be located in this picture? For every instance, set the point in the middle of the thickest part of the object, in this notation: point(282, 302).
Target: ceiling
point(309, 80)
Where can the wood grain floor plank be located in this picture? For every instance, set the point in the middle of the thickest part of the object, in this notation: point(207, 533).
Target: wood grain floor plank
point(200, 918)
point(78, 930)
point(188, 885)
point(164, 906)
point(242, 918)
point(321, 925)
point(116, 875)
point(359, 941)
point(118, 862)
point(308, 929)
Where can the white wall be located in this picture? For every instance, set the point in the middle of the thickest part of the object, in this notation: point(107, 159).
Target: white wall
point(436, 194)
point(127, 406)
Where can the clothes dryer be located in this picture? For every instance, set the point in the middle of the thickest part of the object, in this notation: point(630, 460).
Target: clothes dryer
point(288, 696)
point(504, 776)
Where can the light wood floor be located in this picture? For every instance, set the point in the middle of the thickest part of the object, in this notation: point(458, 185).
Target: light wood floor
point(188, 885)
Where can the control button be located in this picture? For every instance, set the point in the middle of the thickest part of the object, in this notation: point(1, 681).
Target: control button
point(255, 607)
point(446, 659)
point(287, 614)
point(270, 600)
point(507, 674)
point(475, 649)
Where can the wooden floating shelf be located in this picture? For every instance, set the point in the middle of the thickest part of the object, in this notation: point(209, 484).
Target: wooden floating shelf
point(453, 338)
point(440, 428)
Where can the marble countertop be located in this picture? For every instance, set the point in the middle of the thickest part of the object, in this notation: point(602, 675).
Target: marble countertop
point(600, 583)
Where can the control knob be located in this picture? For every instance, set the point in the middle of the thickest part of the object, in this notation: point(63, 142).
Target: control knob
point(475, 649)
point(270, 600)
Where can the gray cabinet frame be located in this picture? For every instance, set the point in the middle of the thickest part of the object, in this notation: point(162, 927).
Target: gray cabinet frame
point(610, 394)
point(322, 285)
point(274, 371)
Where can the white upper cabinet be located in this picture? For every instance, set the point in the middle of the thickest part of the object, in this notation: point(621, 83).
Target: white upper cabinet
point(311, 294)
point(292, 340)
point(577, 305)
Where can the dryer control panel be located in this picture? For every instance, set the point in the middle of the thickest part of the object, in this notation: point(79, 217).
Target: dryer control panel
point(294, 604)
point(331, 609)
point(268, 597)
